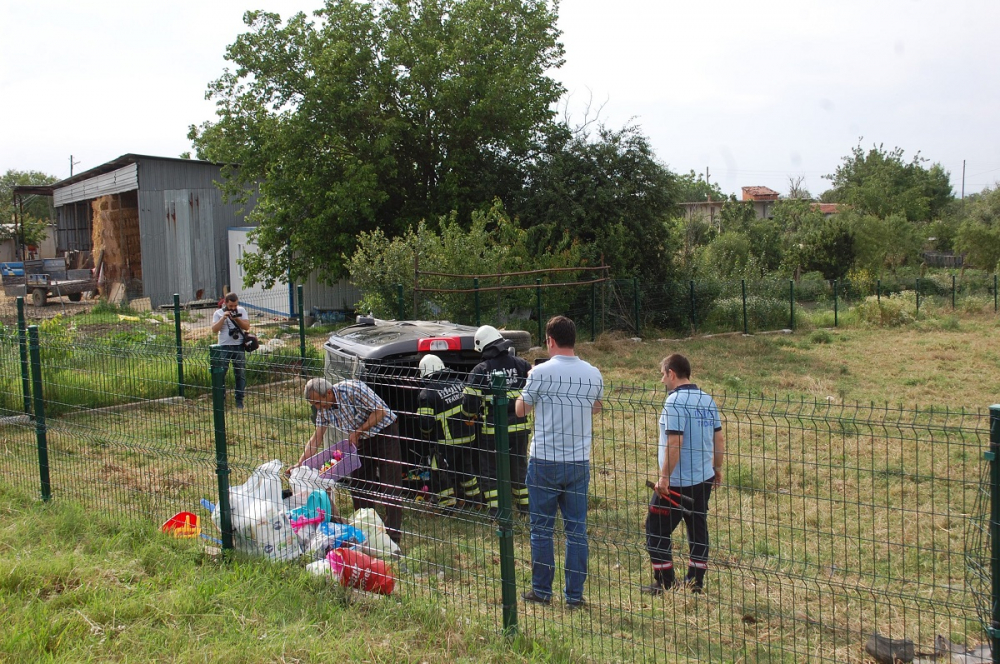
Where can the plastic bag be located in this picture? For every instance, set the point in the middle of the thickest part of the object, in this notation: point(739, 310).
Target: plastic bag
point(260, 525)
point(265, 530)
point(377, 541)
point(303, 480)
point(333, 535)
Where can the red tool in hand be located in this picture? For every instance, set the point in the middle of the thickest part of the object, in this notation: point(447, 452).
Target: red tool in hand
point(673, 497)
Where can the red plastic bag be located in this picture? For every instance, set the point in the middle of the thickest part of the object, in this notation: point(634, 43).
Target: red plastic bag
point(356, 570)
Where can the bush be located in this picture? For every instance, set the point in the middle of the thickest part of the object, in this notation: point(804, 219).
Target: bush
point(820, 337)
point(812, 287)
point(893, 311)
point(763, 313)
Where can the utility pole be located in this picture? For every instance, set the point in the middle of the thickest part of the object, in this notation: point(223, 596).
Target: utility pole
point(963, 183)
point(71, 165)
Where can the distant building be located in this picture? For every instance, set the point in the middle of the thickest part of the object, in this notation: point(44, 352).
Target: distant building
point(160, 226)
point(761, 198)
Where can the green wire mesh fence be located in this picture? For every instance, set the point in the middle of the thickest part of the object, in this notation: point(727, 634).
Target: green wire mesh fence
point(832, 521)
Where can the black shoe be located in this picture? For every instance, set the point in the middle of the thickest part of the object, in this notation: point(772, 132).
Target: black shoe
point(695, 587)
point(573, 606)
point(530, 596)
point(239, 404)
point(653, 589)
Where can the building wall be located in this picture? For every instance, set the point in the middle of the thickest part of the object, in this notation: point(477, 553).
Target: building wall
point(184, 220)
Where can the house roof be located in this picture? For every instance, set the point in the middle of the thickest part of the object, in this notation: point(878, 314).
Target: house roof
point(123, 160)
point(759, 191)
point(827, 208)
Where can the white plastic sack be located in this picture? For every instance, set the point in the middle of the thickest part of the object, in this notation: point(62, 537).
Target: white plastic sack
point(303, 481)
point(377, 541)
point(264, 529)
point(260, 525)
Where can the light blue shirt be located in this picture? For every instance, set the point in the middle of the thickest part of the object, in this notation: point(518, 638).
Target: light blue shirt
point(562, 392)
point(692, 413)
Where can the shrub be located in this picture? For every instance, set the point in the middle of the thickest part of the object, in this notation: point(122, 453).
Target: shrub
point(56, 337)
point(893, 311)
point(763, 313)
point(812, 287)
point(820, 337)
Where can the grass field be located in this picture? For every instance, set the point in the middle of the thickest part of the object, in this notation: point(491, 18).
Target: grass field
point(850, 502)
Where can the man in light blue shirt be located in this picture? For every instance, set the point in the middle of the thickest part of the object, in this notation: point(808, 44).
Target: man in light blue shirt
point(565, 392)
point(690, 456)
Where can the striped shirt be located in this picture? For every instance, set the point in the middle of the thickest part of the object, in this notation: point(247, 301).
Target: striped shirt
point(355, 404)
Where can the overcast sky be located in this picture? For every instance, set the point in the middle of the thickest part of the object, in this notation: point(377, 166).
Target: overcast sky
point(756, 92)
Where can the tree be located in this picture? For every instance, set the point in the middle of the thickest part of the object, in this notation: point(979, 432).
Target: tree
point(827, 247)
point(883, 243)
point(34, 224)
point(880, 183)
point(375, 116)
point(978, 236)
point(610, 194)
point(797, 188)
point(694, 188)
point(762, 238)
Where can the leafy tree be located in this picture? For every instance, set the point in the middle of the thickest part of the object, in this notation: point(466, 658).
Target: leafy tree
point(762, 239)
point(693, 187)
point(978, 236)
point(492, 244)
point(36, 208)
point(610, 194)
point(377, 115)
point(883, 243)
point(880, 183)
point(827, 248)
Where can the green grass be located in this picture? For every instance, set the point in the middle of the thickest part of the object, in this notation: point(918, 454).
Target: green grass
point(837, 518)
point(79, 586)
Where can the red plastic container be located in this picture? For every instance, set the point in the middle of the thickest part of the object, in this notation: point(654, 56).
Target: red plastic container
point(347, 465)
point(356, 570)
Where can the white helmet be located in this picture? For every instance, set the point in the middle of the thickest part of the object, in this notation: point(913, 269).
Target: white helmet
point(486, 335)
point(430, 364)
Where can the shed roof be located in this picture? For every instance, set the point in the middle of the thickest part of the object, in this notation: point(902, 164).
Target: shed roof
point(124, 160)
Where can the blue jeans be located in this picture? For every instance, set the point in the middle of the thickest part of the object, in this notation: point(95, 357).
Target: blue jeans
point(238, 357)
point(562, 485)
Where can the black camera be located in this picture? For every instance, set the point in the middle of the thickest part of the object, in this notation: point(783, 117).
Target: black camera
point(234, 314)
point(235, 334)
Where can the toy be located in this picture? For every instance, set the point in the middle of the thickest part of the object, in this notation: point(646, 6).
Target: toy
point(183, 525)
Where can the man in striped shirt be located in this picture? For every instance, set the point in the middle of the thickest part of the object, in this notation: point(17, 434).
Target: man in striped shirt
point(352, 407)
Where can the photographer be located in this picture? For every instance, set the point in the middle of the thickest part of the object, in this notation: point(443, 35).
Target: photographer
point(231, 322)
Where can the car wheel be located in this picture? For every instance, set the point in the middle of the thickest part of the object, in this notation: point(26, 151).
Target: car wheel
point(521, 339)
point(39, 297)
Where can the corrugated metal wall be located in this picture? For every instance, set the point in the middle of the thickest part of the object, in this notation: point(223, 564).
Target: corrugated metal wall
point(115, 182)
point(183, 221)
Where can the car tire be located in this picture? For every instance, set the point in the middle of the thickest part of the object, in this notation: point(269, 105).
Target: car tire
point(520, 338)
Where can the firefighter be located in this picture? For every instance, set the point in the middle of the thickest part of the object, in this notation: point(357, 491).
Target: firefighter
point(497, 356)
point(452, 436)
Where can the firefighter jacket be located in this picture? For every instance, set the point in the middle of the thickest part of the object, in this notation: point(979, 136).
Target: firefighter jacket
point(439, 407)
point(479, 392)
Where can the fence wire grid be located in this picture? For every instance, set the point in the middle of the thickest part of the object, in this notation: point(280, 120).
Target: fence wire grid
point(832, 522)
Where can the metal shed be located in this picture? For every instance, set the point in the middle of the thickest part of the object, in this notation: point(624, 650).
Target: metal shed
point(166, 217)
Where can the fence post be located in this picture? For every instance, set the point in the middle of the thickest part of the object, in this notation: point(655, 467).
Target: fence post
point(218, 370)
point(179, 342)
point(538, 310)
point(952, 292)
point(694, 320)
point(918, 295)
point(302, 328)
point(743, 286)
point(994, 292)
point(593, 312)
point(878, 290)
point(505, 520)
point(475, 285)
point(791, 305)
point(40, 431)
point(994, 458)
point(635, 303)
point(22, 344)
point(399, 302)
point(835, 303)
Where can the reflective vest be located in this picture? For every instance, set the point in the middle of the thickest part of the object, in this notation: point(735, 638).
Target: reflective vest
point(439, 407)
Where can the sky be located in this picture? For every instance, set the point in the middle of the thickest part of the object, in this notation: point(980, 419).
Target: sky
point(755, 93)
